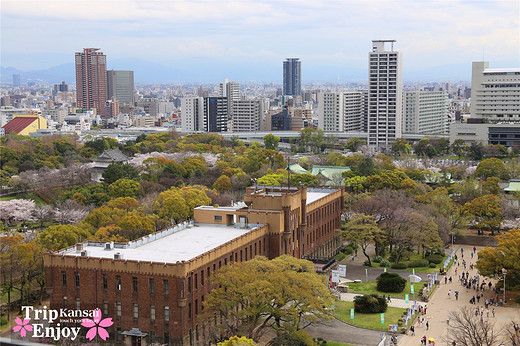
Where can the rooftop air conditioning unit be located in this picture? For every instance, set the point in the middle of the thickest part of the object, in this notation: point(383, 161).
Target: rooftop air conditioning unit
point(118, 255)
point(109, 246)
point(79, 247)
point(84, 253)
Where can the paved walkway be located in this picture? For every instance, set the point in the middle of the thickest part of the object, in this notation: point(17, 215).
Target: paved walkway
point(440, 306)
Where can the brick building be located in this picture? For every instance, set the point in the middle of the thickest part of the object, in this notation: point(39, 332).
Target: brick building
point(154, 287)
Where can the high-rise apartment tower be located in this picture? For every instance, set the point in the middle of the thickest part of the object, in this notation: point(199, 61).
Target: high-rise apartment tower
point(384, 94)
point(91, 80)
point(292, 77)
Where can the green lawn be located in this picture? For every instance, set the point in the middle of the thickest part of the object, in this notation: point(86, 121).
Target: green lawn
point(371, 288)
point(32, 196)
point(372, 321)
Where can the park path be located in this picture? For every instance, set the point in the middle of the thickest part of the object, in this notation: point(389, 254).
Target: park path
point(440, 306)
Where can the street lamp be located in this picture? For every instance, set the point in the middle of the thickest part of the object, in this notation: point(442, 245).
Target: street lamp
point(504, 271)
point(447, 331)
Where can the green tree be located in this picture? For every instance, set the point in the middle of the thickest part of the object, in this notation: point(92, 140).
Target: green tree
point(366, 167)
point(237, 341)
point(458, 147)
point(492, 167)
point(118, 170)
point(283, 294)
point(476, 151)
point(363, 231)
point(353, 144)
point(124, 188)
point(486, 212)
point(223, 183)
point(271, 141)
point(304, 179)
point(491, 260)
point(401, 146)
point(61, 236)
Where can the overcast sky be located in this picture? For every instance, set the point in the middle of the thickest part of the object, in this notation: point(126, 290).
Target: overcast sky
point(41, 34)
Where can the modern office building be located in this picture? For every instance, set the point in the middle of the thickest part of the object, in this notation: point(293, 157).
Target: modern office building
point(292, 77)
point(425, 112)
point(495, 93)
point(91, 80)
point(246, 115)
point(340, 111)
point(384, 94)
point(154, 287)
point(121, 85)
point(216, 114)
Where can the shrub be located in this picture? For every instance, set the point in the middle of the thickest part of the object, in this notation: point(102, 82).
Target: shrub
point(348, 250)
point(399, 266)
point(384, 263)
point(418, 263)
point(433, 265)
point(390, 282)
point(367, 263)
point(4, 321)
point(434, 259)
point(368, 304)
point(340, 257)
point(377, 259)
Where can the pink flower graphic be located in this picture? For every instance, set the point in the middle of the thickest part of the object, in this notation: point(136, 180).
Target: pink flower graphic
point(22, 326)
point(97, 326)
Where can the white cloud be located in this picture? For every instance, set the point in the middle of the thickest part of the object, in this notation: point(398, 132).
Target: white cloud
point(427, 32)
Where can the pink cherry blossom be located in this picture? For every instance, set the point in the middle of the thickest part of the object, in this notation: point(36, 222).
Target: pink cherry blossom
point(22, 326)
point(97, 326)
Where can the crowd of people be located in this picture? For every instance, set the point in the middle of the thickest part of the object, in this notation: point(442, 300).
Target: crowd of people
point(469, 282)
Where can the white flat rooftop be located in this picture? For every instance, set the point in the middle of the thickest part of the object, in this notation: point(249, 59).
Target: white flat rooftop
point(314, 196)
point(182, 245)
point(501, 70)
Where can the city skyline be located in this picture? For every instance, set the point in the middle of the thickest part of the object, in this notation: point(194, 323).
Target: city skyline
point(247, 40)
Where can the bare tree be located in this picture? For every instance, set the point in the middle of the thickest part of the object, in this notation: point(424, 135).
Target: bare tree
point(512, 333)
point(470, 330)
point(43, 213)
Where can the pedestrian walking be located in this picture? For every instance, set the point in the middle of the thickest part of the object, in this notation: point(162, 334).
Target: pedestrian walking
point(456, 295)
point(427, 325)
point(450, 280)
point(445, 280)
point(454, 343)
point(474, 249)
point(449, 294)
point(472, 256)
point(493, 312)
point(423, 340)
point(487, 312)
point(412, 329)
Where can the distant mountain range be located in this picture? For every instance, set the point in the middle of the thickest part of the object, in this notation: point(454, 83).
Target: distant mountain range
point(203, 70)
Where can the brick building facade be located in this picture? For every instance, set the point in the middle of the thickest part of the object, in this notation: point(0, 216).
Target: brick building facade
point(156, 285)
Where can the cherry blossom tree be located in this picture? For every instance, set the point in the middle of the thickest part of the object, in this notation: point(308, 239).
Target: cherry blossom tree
point(16, 210)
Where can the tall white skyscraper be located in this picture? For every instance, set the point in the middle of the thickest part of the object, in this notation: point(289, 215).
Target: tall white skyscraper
point(495, 92)
point(384, 94)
